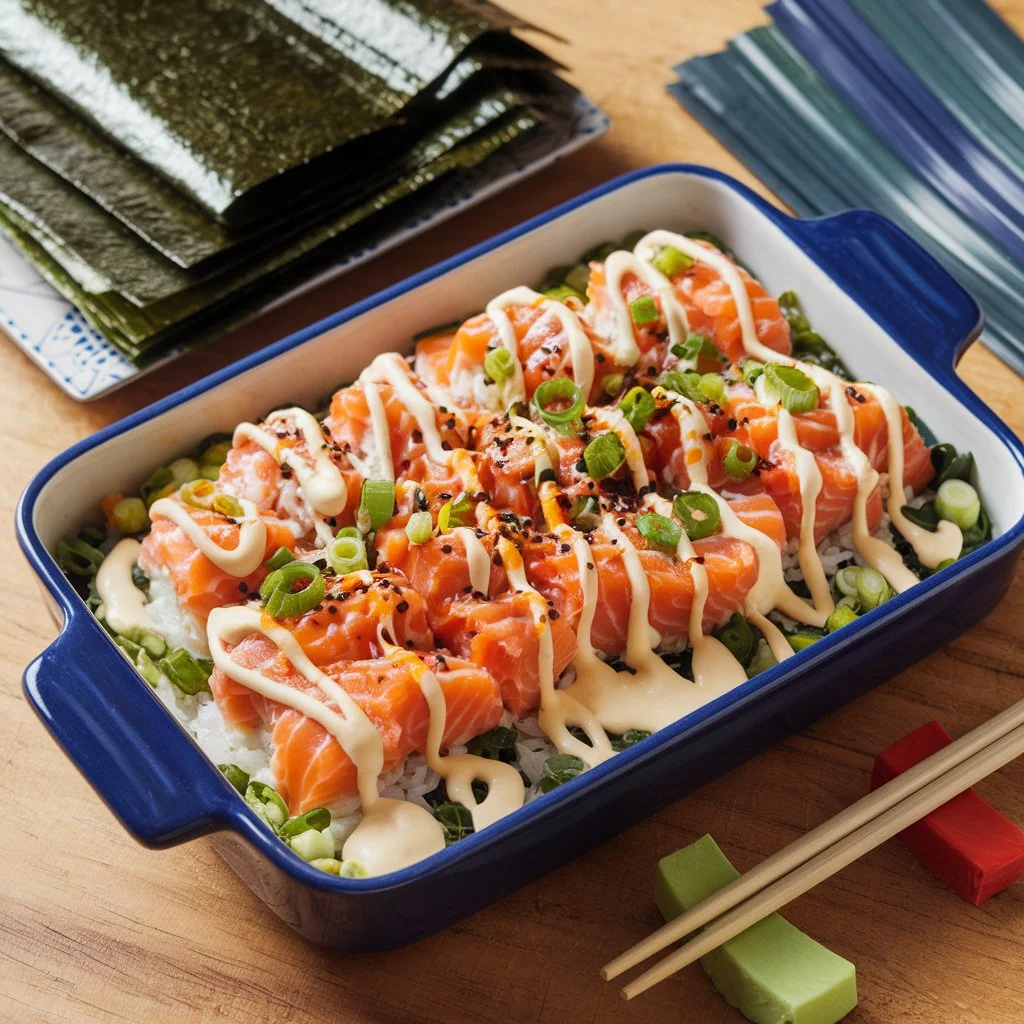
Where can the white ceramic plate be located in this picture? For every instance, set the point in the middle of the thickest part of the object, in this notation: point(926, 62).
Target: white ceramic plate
point(54, 335)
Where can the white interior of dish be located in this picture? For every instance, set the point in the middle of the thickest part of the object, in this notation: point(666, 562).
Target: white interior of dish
point(676, 201)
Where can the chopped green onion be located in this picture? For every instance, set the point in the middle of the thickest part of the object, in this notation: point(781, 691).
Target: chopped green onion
point(685, 383)
point(559, 769)
point(567, 394)
point(152, 643)
point(794, 390)
point(762, 659)
point(738, 637)
point(578, 277)
point(739, 461)
point(497, 744)
point(376, 504)
point(561, 292)
point(216, 454)
point(267, 803)
point(347, 554)
point(352, 868)
point(643, 310)
point(198, 493)
point(453, 513)
point(209, 471)
point(629, 739)
point(612, 384)
point(604, 455)
point(638, 407)
point(846, 580)
point(499, 365)
point(698, 512)
point(93, 533)
point(658, 531)
point(695, 346)
point(312, 844)
point(282, 556)
point(129, 646)
point(803, 639)
point(329, 865)
point(78, 558)
point(189, 674)
point(318, 818)
point(238, 778)
point(160, 481)
point(926, 516)
point(713, 388)
point(456, 821)
point(872, 589)
point(281, 601)
point(420, 528)
point(958, 502)
point(147, 667)
point(945, 564)
point(751, 370)
point(228, 506)
point(671, 261)
point(585, 513)
point(183, 470)
point(842, 616)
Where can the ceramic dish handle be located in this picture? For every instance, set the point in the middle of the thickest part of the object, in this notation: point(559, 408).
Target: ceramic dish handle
point(900, 284)
point(122, 740)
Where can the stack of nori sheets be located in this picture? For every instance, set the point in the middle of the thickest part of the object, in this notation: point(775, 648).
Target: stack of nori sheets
point(172, 165)
point(916, 110)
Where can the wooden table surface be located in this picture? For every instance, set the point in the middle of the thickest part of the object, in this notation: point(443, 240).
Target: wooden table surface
point(95, 928)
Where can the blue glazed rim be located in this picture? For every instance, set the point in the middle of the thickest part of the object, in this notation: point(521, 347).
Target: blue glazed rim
point(825, 241)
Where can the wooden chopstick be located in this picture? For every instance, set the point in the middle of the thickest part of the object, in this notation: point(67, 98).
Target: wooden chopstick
point(818, 839)
point(837, 856)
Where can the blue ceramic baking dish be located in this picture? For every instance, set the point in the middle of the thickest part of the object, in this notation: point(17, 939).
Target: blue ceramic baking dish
point(893, 313)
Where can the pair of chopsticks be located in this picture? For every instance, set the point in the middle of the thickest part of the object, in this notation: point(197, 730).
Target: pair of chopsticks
point(827, 849)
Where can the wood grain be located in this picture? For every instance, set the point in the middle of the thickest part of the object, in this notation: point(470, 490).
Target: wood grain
point(94, 928)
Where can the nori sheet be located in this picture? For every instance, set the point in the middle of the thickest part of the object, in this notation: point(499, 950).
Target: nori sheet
point(213, 308)
point(229, 99)
point(105, 258)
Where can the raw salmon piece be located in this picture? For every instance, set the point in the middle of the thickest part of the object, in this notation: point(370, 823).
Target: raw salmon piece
point(439, 569)
point(502, 636)
point(310, 767)
point(198, 583)
point(731, 567)
point(351, 427)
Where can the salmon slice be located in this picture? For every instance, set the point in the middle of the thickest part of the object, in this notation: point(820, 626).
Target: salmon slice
point(201, 586)
point(711, 310)
point(502, 636)
point(731, 567)
point(439, 569)
point(351, 427)
point(309, 765)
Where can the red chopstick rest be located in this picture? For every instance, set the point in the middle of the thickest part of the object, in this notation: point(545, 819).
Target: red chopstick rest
point(966, 842)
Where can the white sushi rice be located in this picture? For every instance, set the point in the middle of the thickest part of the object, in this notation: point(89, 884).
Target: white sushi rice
point(413, 780)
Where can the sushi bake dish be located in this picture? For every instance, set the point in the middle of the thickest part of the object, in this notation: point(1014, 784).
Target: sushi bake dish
point(547, 532)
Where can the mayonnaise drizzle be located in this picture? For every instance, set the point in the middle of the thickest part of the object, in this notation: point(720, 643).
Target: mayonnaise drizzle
point(558, 708)
point(381, 431)
point(477, 559)
point(124, 605)
point(322, 484)
point(393, 833)
point(243, 559)
point(616, 267)
point(391, 368)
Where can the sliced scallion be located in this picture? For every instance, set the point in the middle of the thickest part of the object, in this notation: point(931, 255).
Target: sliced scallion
point(376, 504)
point(454, 512)
point(957, 501)
point(793, 389)
point(420, 528)
point(803, 639)
point(347, 554)
point(712, 387)
point(604, 455)
point(282, 601)
point(695, 346)
point(739, 461)
point(578, 277)
point(147, 667)
point(738, 637)
point(611, 385)
point(130, 515)
point(638, 407)
point(658, 531)
point(282, 556)
point(93, 533)
point(643, 310)
point(671, 261)
point(352, 868)
point(842, 616)
point(751, 370)
point(846, 580)
point(499, 365)
point(313, 845)
point(585, 513)
point(560, 403)
point(78, 558)
point(198, 493)
point(267, 803)
point(228, 506)
point(698, 512)
point(561, 292)
point(159, 484)
point(872, 589)
point(189, 674)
